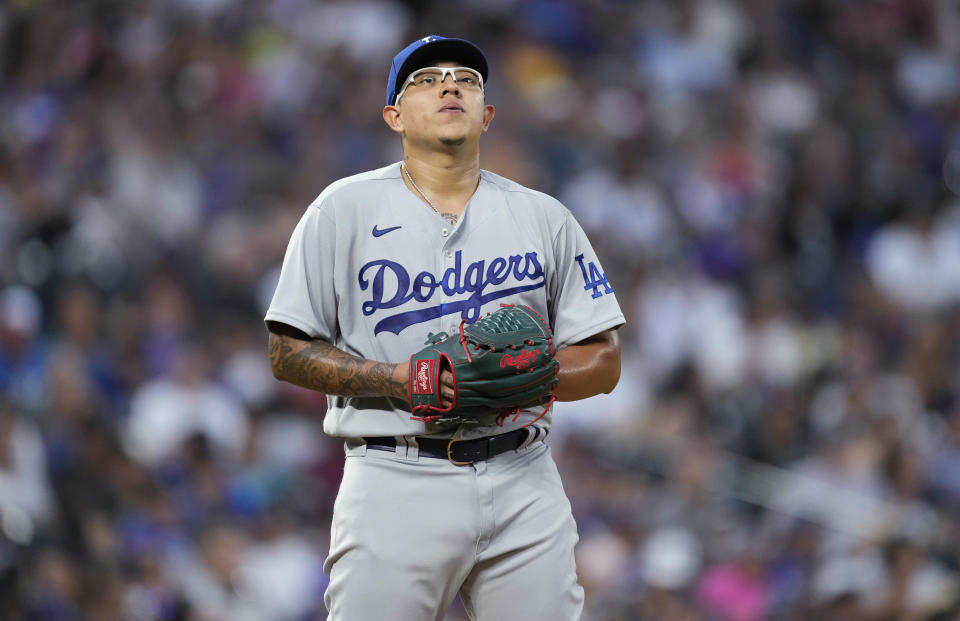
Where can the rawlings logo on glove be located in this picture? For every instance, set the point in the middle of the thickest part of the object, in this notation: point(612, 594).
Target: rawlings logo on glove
point(520, 361)
point(500, 364)
point(423, 384)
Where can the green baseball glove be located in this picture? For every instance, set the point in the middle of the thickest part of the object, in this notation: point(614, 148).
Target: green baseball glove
point(501, 363)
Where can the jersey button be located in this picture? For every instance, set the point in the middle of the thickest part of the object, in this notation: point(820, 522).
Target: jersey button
point(444, 232)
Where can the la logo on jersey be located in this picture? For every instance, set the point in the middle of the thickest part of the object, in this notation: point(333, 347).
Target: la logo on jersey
point(593, 278)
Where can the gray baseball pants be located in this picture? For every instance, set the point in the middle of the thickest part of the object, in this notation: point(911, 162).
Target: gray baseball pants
point(409, 533)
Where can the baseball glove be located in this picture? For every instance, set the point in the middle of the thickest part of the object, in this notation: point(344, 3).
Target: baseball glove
point(502, 363)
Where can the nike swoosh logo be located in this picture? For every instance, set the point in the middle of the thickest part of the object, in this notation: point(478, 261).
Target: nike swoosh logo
point(378, 232)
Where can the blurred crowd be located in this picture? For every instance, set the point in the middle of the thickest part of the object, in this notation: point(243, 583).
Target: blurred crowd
point(772, 186)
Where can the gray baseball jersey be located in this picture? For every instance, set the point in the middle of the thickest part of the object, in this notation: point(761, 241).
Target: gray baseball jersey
point(372, 269)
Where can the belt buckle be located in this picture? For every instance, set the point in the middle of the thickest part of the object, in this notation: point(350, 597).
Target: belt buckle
point(483, 453)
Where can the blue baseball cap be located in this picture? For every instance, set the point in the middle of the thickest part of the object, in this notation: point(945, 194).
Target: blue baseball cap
point(433, 48)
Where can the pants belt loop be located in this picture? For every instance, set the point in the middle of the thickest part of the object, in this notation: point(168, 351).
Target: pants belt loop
point(413, 447)
point(532, 434)
point(355, 446)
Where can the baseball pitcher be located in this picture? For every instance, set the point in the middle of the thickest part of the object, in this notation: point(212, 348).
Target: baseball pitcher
point(443, 309)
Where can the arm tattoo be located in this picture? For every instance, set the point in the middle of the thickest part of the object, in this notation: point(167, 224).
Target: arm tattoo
point(318, 365)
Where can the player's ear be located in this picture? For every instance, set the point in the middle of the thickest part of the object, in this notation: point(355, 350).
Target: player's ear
point(391, 116)
point(488, 112)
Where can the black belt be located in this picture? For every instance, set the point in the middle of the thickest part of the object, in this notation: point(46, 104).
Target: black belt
point(461, 451)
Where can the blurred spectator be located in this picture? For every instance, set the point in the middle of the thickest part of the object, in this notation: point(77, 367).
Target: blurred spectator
point(914, 261)
point(23, 358)
point(166, 411)
point(26, 498)
point(210, 582)
point(735, 591)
